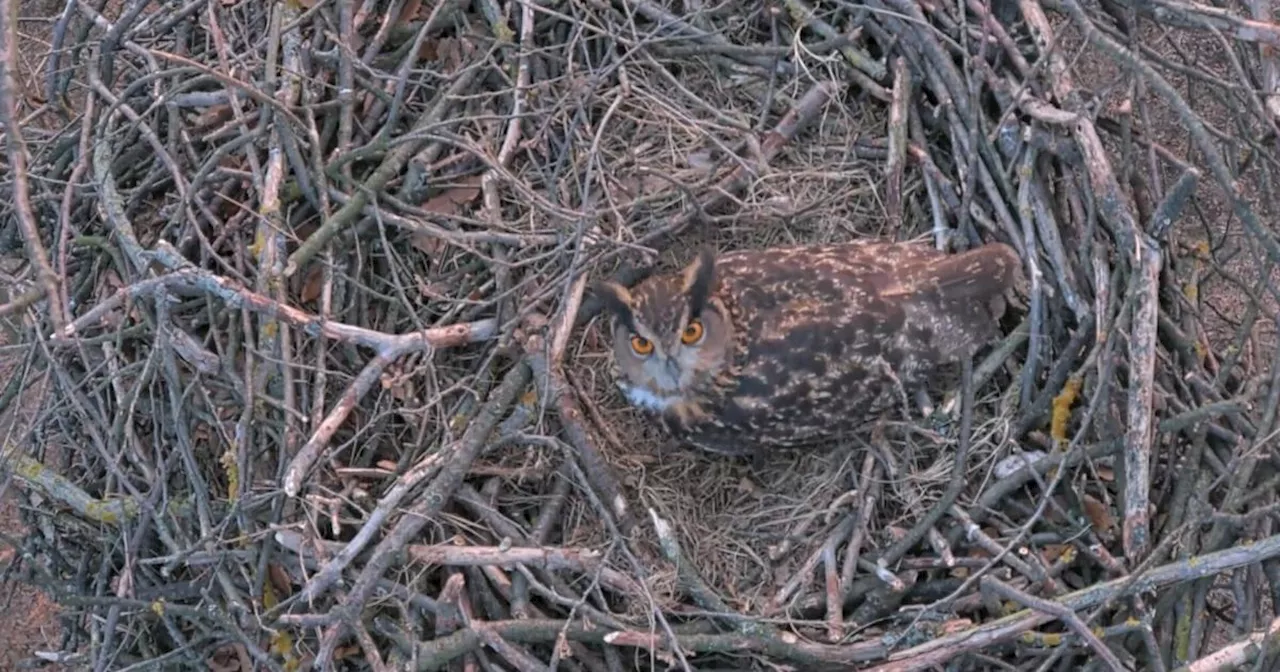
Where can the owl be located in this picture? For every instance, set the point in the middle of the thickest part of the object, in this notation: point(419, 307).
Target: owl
point(791, 346)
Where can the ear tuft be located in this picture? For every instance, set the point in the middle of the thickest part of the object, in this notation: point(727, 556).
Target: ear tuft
point(699, 278)
point(617, 300)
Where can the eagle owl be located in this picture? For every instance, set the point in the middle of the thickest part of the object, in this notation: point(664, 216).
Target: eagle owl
point(790, 346)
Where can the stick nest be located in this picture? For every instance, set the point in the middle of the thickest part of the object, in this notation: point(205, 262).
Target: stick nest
point(304, 371)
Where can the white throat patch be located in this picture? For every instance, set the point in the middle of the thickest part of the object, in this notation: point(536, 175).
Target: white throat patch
point(646, 399)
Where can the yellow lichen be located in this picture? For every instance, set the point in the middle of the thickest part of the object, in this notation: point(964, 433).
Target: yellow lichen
point(1062, 409)
point(530, 397)
point(228, 461)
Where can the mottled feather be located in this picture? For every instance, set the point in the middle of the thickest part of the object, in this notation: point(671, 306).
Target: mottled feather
point(802, 344)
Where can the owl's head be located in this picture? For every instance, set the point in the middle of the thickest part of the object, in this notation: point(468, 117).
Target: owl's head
point(670, 334)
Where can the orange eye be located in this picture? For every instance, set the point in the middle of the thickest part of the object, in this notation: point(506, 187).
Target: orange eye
point(641, 345)
point(692, 333)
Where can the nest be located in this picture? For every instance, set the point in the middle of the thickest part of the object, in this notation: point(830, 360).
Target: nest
point(303, 371)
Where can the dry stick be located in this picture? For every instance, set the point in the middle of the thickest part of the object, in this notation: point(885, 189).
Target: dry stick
point(1050, 238)
point(389, 168)
point(72, 190)
point(864, 70)
point(555, 393)
point(455, 460)
point(1113, 201)
point(546, 557)
point(20, 303)
point(491, 209)
point(1035, 314)
point(831, 579)
point(999, 553)
point(437, 653)
point(1194, 15)
point(945, 648)
point(1237, 492)
point(1193, 123)
point(1142, 361)
point(689, 580)
point(114, 511)
point(185, 275)
point(1058, 610)
point(17, 154)
point(668, 20)
point(803, 575)
point(1142, 347)
point(1175, 200)
point(1270, 75)
point(869, 485)
point(347, 552)
point(897, 142)
point(1239, 655)
point(954, 486)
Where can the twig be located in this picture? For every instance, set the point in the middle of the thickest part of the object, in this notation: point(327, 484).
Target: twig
point(898, 111)
point(1058, 610)
point(455, 463)
point(1252, 650)
point(1193, 123)
point(950, 646)
point(1142, 362)
point(434, 654)
point(555, 393)
point(16, 151)
point(391, 166)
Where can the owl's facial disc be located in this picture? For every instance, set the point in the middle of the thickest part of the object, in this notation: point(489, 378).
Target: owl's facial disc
point(670, 335)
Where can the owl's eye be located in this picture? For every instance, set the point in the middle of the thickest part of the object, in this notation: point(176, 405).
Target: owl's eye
point(641, 345)
point(692, 333)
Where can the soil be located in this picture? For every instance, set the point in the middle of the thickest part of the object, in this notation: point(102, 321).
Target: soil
point(28, 617)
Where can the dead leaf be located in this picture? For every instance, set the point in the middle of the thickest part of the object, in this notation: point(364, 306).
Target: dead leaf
point(433, 290)
point(429, 51)
point(451, 200)
point(635, 186)
point(452, 52)
point(230, 658)
point(409, 11)
point(313, 283)
point(345, 652)
point(895, 533)
point(1099, 515)
point(429, 244)
point(211, 118)
point(1052, 552)
point(399, 385)
point(279, 579)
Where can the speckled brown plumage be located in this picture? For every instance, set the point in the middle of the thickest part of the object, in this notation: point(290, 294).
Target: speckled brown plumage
point(800, 344)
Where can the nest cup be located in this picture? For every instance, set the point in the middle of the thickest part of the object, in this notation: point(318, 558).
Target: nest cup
point(301, 371)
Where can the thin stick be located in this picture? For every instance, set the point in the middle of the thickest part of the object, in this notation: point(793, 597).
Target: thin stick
point(1062, 612)
point(16, 149)
point(1142, 363)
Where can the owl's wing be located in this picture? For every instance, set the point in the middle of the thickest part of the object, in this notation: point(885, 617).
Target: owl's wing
point(807, 315)
point(980, 274)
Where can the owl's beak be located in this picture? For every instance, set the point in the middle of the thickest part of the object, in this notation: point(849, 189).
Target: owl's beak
point(673, 371)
